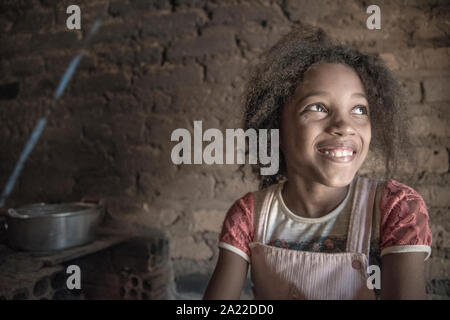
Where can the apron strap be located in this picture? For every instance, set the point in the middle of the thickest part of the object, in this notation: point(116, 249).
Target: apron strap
point(262, 202)
point(360, 226)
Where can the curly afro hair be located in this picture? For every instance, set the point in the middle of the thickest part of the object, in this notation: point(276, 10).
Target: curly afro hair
point(281, 69)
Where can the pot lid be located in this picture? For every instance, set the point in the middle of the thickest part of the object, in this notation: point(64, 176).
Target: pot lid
point(43, 210)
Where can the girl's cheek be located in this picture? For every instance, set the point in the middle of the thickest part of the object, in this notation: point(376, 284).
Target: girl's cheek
point(364, 129)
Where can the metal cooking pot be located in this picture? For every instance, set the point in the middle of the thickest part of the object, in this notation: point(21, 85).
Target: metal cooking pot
point(48, 227)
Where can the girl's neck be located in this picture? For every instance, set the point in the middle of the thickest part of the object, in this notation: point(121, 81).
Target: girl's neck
point(311, 199)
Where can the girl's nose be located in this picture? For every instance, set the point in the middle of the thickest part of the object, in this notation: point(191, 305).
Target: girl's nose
point(340, 127)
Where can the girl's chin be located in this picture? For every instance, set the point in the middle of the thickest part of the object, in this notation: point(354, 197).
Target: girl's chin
point(338, 180)
point(328, 176)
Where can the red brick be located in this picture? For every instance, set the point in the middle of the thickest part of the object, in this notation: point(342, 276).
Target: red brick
point(99, 83)
point(150, 4)
point(200, 187)
point(433, 29)
point(256, 38)
point(214, 41)
point(411, 90)
point(437, 58)
point(432, 159)
point(429, 126)
point(173, 24)
point(411, 59)
point(190, 99)
point(117, 31)
point(436, 89)
point(159, 102)
point(190, 3)
point(241, 14)
point(151, 54)
point(434, 195)
point(59, 40)
point(22, 44)
point(170, 77)
point(33, 20)
point(225, 71)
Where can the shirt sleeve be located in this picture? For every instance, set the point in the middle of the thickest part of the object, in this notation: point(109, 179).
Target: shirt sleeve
point(404, 221)
point(237, 228)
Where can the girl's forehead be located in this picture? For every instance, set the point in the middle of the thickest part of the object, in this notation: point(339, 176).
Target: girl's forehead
point(332, 77)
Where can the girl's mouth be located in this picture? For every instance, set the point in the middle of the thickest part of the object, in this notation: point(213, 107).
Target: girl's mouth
point(338, 154)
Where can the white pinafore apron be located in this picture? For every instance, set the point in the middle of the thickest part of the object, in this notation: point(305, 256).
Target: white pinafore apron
point(279, 273)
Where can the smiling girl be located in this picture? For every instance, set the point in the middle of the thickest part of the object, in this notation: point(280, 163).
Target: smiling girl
point(314, 228)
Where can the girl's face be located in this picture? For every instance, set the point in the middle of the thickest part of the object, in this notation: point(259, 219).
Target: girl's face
point(325, 126)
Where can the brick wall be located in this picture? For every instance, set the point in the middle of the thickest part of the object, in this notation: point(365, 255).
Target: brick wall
point(158, 65)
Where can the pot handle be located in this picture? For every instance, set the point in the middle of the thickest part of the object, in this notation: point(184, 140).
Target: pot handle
point(93, 200)
point(13, 213)
point(99, 202)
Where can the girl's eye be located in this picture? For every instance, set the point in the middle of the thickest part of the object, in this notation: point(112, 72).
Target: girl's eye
point(361, 110)
point(317, 107)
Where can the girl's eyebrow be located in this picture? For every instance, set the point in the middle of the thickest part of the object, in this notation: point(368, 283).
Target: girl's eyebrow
point(314, 93)
point(324, 93)
point(359, 94)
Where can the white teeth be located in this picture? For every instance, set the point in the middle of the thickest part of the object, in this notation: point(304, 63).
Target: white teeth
point(338, 153)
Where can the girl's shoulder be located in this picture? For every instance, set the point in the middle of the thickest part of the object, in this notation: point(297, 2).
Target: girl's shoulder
point(394, 188)
point(391, 193)
point(237, 228)
point(244, 203)
point(403, 219)
point(396, 195)
point(251, 199)
point(241, 214)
